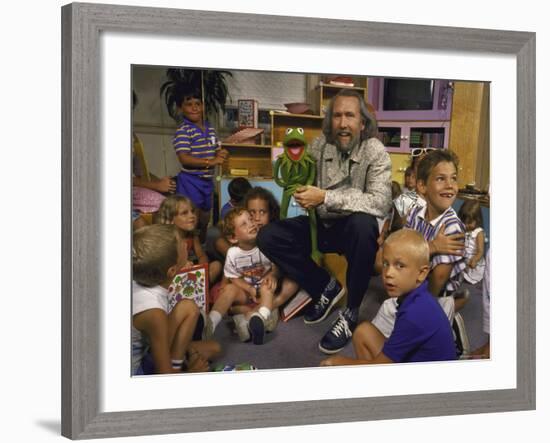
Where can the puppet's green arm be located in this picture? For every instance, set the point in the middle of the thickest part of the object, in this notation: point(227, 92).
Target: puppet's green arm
point(276, 168)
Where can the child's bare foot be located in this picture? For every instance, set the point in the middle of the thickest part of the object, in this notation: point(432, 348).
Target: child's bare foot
point(197, 363)
point(482, 352)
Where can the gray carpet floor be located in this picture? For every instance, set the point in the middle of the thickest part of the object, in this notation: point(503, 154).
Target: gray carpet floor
point(295, 345)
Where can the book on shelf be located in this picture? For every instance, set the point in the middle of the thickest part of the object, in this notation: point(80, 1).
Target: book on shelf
point(190, 283)
point(295, 305)
point(247, 113)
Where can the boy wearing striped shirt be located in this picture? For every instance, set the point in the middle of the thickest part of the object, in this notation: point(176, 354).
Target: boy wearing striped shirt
point(437, 182)
point(196, 146)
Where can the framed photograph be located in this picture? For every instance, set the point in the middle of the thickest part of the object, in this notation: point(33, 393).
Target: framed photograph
point(248, 113)
point(99, 397)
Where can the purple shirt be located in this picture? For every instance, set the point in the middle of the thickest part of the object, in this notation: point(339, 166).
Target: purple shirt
point(422, 331)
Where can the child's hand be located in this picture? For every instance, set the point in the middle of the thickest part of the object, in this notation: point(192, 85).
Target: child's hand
point(452, 244)
point(252, 293)
point(270, 279)
point(223, 153)
point(473, 262)
point(268, 285)
point(221, 156)
point(165, 184)
point(217, 161)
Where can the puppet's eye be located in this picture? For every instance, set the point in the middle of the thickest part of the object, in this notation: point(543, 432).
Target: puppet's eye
point(300, 130)
point(288, 131)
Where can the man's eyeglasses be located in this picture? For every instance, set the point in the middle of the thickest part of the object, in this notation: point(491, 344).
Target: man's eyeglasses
point(415, 152)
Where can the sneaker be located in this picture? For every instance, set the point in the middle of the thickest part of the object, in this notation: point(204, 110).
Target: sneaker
point(461, 337)
point(256, 328)
point(318, 311)
point(338, 335)
point(239, 367)
point(241, 327)
point(272, 320)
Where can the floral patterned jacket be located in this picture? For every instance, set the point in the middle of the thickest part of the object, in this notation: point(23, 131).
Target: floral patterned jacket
point(365, 187)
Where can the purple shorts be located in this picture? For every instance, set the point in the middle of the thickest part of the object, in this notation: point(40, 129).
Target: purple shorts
point(198, 189)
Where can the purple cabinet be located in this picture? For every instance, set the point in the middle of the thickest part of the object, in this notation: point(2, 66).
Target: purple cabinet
point(398, 136)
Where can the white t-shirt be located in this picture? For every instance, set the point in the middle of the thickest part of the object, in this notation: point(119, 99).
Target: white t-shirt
point(251, 265)
point(143, 299)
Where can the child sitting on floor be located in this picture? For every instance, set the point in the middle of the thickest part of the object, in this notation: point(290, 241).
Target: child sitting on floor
point(246, 268)
point(179, 210)
point(421, 332)
point(159, 334)
point(263, 207)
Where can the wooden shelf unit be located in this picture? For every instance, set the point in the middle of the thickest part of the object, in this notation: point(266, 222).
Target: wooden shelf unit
point(327, 91)
point(280, 121)
point(255, 158)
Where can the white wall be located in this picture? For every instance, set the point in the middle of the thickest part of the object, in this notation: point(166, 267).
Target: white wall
point(30, 179)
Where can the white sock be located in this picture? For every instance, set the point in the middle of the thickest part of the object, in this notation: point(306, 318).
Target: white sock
point(215, 318)
point(176, 364)
point(264, 312)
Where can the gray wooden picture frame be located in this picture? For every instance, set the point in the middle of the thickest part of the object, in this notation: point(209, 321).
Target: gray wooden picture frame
point(81, 205)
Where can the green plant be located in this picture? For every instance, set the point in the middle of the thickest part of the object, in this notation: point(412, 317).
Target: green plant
point(213, 85)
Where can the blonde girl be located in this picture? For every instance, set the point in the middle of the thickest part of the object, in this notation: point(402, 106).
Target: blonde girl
point(180, 211)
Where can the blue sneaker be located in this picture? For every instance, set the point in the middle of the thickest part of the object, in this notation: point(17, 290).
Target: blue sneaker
point(338, 335)
point(319, 310)
point(256, 327)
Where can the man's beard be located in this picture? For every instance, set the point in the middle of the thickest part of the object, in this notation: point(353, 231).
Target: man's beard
point(354, 141)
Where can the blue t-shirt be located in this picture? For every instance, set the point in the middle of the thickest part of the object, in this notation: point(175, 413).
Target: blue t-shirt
point(422, 331)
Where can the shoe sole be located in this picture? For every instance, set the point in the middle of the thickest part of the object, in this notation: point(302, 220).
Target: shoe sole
point(327, 312)
point(329, 351)
point(257, 330)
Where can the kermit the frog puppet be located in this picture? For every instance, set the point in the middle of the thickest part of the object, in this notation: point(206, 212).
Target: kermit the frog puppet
point(292, 169)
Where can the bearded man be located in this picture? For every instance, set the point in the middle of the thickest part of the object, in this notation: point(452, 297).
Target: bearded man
point(352, 189)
